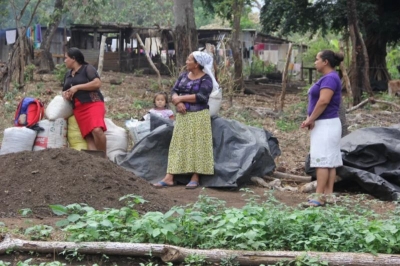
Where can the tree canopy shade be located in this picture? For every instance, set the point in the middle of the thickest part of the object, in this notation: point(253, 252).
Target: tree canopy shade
point(379, 22)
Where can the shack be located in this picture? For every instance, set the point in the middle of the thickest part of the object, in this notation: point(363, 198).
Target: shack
point(8, 36)
point(122, 51)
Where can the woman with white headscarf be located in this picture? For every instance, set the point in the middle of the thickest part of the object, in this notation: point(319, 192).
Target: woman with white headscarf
point(191, 149)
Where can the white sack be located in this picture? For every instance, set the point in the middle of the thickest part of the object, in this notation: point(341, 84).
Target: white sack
point(214, 102)
point(17, 139)
point(53, 136)
point(117, 139)
point(58, 108)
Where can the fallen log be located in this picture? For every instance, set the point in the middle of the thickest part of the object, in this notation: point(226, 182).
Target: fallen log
point(372, 101)
point(176, 254)
point(290, 177)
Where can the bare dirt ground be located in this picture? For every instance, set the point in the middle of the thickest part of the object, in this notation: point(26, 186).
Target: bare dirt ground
point(63, 176)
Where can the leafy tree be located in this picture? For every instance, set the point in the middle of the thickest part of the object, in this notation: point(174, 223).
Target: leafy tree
point(233, 11)
point(379, 22)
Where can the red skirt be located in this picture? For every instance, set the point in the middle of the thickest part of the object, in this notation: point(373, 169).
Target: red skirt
point(89, 116)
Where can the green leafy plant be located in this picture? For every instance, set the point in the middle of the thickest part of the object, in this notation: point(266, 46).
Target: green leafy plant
point(142, 104)
point(262, 224)
point(28, 73)
point(229, 261)
point(73, 255)
point(195, 260)
point(138, 72)
point(39, 232)
point(25, 212)
point(60, 71)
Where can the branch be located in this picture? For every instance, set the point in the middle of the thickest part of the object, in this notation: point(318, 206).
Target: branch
point(357, 106)
point(169, 253)
point(150, 61)
point(290, 177)
point(388, 103)
point(372, 101)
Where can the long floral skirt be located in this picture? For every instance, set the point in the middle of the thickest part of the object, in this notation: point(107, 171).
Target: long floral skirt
point(191, 148)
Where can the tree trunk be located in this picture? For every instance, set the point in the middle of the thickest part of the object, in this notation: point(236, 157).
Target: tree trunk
point(45, 58)
point(343, 120)
point(185, 33)
point(376, 47)
point(20, 55)
point(360, 63)
point(176, 254)
point(284, 78)
point(236, 45)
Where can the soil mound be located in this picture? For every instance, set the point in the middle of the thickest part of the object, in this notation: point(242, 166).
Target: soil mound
point(64, 176)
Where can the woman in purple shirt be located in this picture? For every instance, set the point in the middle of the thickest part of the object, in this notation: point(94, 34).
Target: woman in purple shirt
point(191, 148)
point(324, 123)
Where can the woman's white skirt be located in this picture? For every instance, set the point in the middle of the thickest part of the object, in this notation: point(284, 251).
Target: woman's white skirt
point(325, 144)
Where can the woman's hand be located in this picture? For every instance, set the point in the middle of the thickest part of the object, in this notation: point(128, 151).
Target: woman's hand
point(308, 123)
point(181, 108)
point(68, 94)
point(175, 99)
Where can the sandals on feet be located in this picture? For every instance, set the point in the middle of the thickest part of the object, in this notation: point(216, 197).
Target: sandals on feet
point(161, 184)
point(192, 185)
point(313, 203)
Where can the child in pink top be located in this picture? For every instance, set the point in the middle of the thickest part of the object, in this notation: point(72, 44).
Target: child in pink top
point(161, 106)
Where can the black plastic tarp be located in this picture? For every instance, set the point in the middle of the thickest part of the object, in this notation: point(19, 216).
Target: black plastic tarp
point(240, 152)
point(371, 158)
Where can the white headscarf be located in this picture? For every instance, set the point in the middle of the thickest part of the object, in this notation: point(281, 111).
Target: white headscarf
point(206, 61)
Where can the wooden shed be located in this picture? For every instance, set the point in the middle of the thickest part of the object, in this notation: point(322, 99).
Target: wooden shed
point(123, 52)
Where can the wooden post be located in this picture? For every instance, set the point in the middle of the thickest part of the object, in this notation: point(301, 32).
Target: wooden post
point(284, 78)
point(101, 54)
point(301, 62)
point(345, 76)
point(95, 44)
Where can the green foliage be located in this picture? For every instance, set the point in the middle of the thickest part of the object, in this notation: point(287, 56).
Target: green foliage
point(316, 45)
point(28, 73)
point(39, 232)
point(25, 212)
point(262, 224)
point(229, 261)
point(293, 116)
point(72, 255)
point(28, 263)
point(393, 60)
point(60, 71)
point(142, 104)
point(259, 67)
point(195, 260)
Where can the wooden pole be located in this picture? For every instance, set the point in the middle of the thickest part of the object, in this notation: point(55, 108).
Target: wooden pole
point(149, 60)
point(101, 54)
point(284, 78)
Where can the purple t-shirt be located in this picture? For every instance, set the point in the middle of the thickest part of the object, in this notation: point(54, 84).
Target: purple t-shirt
point(329, 81)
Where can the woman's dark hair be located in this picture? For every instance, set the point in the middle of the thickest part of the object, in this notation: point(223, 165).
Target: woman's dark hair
point(200, 66)
point(333, 58)
point(165, 97)
point(76, 54)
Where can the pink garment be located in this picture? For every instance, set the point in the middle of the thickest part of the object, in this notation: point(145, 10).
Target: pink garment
point(165, 113)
